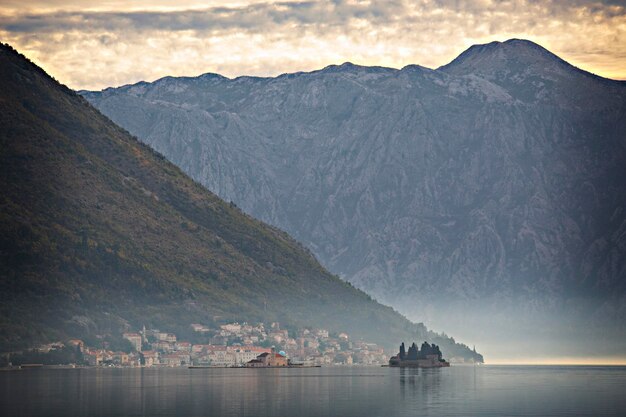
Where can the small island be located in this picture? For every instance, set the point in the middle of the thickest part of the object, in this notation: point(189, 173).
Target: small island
point(428, 356)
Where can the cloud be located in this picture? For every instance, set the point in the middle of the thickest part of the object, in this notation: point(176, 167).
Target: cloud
point(252, 17)
point(95, 48)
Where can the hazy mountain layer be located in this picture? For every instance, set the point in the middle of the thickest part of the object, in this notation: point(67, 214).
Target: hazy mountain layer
point(498, 179)
point(100, 233)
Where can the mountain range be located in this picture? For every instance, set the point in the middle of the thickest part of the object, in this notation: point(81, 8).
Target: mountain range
point(489, 190)
point(101, 234)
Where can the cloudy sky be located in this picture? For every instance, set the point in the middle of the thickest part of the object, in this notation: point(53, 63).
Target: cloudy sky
point(92, 45)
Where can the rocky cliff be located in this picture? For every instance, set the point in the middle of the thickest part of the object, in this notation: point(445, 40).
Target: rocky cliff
point(497, 179)
point(100, 234)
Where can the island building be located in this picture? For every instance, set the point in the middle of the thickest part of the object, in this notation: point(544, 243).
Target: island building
point(428, 356)
point(269, 359)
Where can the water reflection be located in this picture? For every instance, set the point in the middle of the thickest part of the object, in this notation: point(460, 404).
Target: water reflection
point(362, 392)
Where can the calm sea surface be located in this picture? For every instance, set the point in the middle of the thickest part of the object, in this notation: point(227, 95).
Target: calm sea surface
point(457, 391)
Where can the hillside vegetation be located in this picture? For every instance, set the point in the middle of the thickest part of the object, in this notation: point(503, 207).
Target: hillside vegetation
point(100, 233)
point(490, 189)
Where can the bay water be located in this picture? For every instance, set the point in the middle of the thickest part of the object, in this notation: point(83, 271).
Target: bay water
point(538, 391)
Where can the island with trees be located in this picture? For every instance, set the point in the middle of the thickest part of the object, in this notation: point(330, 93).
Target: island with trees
point(428, 356)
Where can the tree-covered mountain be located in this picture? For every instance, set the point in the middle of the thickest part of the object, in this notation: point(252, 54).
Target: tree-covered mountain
point(495, 180)
point(100, 233)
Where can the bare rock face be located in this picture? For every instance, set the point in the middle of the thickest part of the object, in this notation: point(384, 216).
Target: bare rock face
point(500, 176)
point(100, 234)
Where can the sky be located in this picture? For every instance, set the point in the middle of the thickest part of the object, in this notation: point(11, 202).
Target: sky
point(93, 45)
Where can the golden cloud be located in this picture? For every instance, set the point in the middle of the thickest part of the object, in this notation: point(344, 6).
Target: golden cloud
point(113, 44)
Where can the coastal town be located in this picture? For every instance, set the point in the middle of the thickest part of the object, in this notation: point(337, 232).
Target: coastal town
point(226, 345)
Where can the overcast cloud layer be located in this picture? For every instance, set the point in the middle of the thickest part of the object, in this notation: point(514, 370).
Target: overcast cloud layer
point(114, 43)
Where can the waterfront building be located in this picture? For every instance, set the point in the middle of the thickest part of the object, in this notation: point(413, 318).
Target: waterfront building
point(150, 357)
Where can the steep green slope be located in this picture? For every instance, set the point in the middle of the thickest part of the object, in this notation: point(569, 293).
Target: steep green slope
point(99, 233)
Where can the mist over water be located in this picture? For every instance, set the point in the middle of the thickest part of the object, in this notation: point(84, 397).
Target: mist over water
point(347, 391)
point(579, 332)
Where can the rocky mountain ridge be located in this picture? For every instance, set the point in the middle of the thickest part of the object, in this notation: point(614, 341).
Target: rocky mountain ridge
point(497, 177)
point(100, 234)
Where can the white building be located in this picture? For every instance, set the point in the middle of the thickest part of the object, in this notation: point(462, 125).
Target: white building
point(321, 333)
point(222, 358)
point(244, 356)
point(232, 327)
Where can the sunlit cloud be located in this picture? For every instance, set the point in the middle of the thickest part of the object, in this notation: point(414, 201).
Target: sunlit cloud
point(115, 43)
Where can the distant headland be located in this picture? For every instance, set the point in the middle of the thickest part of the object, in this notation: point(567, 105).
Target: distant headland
point(428, 356)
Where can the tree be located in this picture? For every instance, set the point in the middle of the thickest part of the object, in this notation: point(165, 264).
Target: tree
point(412, 352)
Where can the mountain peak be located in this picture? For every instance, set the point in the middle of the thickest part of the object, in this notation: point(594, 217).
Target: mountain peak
point(511, 56)
point(350, 67)
point(341, 67)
